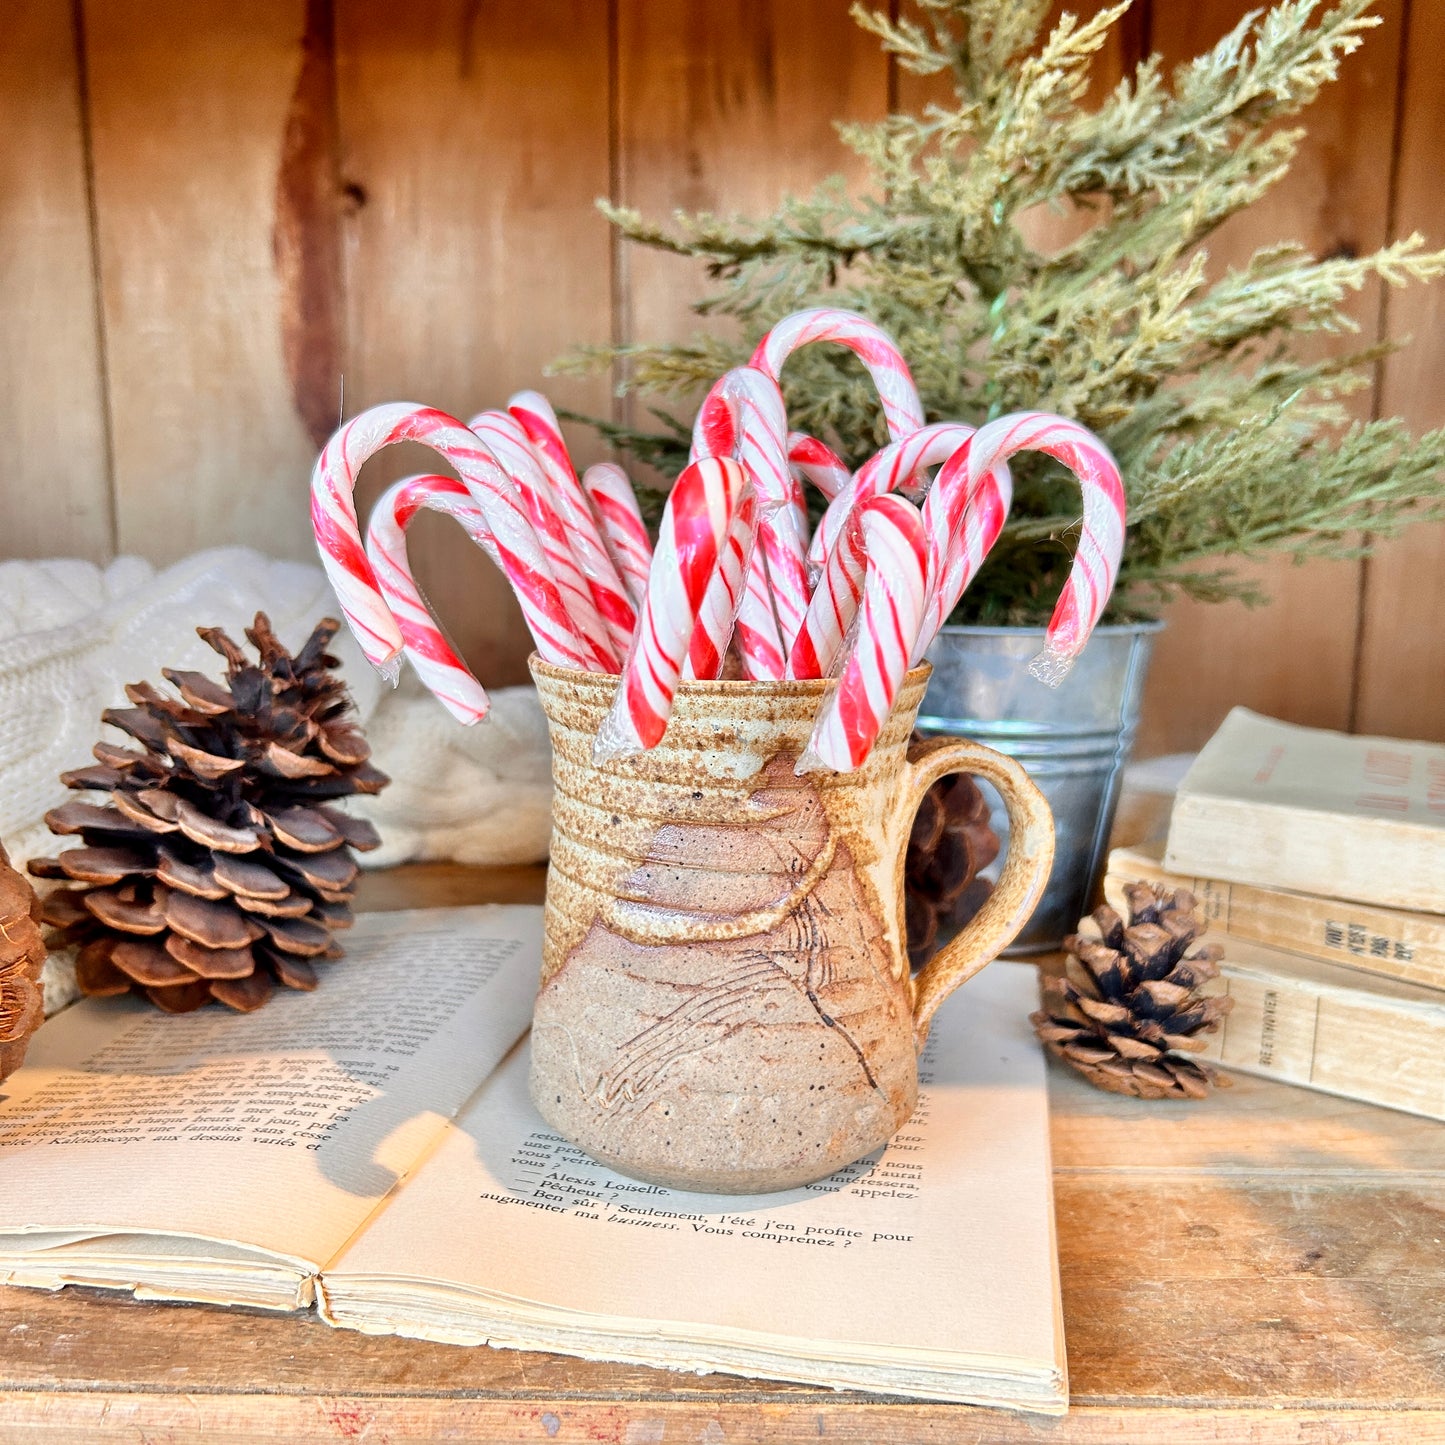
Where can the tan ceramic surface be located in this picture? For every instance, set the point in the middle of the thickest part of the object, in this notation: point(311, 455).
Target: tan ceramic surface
point(725, 1000)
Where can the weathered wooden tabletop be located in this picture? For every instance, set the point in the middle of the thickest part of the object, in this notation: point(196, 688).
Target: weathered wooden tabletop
point(1268, 1265)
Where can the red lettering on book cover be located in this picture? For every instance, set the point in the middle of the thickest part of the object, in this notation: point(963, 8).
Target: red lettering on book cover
point(1270, 763)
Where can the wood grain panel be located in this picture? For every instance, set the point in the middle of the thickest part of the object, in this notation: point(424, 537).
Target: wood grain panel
point(83, 1417)
point(448, 885)
point(727, 108)
point(1402, 655)
point(54, 481)
point(189, 109)
point(1294, 658)
point(1255, 1132)
point(474, 143)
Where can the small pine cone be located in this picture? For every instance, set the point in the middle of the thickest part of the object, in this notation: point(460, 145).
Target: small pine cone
point(22, 956)
point(218, 867)
point(1129, 999)
point(950, 843)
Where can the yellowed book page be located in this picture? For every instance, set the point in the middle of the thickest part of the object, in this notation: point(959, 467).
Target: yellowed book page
point(936, 1255)
point(277, 1131)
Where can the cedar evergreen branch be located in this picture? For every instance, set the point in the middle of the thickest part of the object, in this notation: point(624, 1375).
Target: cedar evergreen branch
point(1210, 391)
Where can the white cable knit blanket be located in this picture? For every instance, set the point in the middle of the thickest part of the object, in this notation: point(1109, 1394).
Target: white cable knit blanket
point(72, 634)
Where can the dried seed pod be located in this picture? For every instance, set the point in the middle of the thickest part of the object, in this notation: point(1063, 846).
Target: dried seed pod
point(22, 956)
point(1129, 1000)
point(218, 864)
point(951, 841)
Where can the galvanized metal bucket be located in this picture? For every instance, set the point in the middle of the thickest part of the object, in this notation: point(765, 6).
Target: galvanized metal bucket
point(1073, 740)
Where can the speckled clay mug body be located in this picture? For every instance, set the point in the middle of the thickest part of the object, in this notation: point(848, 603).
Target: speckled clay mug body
point(726, 1002)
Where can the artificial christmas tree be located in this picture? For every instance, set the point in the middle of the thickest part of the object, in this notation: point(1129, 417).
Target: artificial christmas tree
point(219, 865)
point(1207, 386)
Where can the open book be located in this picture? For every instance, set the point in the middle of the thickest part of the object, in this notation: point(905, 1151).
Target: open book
point(370, 1149)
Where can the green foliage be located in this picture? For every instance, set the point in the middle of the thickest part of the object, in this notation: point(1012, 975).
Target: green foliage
point(1210, 391)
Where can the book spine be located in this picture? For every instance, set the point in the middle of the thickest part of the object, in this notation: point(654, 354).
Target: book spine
point(1405, 946)
point(1357, 1044)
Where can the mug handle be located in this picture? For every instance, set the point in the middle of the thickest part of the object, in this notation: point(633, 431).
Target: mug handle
point(1026, 868)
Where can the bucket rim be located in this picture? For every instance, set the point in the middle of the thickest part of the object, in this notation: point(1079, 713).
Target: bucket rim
point(1110, 629)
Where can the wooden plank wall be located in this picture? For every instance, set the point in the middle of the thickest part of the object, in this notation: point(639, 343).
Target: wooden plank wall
point(222, 225)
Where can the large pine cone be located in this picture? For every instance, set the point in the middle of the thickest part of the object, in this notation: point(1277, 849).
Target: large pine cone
point(218, 865)
point(1129, 999)
point(22, 956)
point(950, 843)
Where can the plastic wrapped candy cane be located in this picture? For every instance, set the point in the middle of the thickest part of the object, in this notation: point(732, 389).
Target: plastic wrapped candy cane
point(962, 518)
point(835, 598)
point(902, 410)
point(508, 443)
point(887, 471)
point(813, 461)
point(519, 552)
point(533, 413)
point(882, 638)
point(834, 605)
point(691, 542)
point(624, 533)
point(743, 417)
point(718, 614)
point(1101, 540)
point(446, 676)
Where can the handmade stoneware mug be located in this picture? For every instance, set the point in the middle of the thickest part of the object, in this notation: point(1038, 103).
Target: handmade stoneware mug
point(726, 1003)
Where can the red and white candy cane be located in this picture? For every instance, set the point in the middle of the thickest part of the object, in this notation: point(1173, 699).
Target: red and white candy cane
point(1101, 540)
point(882, 641)
point(508, 443)
point(519, 550)
point(816, 462)
point(690, 545)
point(743, 417)
point(835, 598)
point(343, 555)
point(718, 614)
point(624, 533)
point(962, 518)
point(834, 604)
point(533, 413)
point(427, 648)
point(902, 410)
point(887, 471)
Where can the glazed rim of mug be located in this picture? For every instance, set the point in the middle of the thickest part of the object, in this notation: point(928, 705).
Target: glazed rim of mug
point(721, 687)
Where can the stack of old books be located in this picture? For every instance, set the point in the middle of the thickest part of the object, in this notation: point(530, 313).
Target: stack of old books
point(1319, 859)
